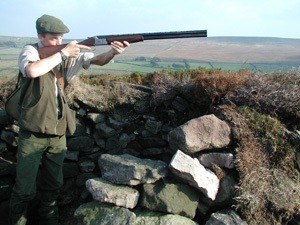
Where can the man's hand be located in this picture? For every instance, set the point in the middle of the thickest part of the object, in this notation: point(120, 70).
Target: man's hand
point(119, 47)
point(104, 58)
point(73, 49)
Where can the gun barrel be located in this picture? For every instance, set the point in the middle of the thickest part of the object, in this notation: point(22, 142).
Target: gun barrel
point(158, 35)
point(175, 34)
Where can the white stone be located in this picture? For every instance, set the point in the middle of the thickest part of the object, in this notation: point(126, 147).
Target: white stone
point(195, 174)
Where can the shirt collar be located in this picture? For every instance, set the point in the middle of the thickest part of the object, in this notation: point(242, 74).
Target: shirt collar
point(40, 44)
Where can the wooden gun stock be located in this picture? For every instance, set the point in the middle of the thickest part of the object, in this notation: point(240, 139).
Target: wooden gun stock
point(131, 38)
point(45, 52)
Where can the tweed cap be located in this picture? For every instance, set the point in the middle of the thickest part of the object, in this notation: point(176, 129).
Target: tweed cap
point(50, 24)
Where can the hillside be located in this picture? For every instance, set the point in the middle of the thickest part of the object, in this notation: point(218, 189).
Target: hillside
point(224, 49)
point(233, 53)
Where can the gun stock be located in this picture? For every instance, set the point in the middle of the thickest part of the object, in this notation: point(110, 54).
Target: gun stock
point(45, 52)
point(131, 38)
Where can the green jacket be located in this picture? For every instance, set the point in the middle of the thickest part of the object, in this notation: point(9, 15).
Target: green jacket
point(39, 107)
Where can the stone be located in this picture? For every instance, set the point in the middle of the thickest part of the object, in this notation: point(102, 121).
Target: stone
point(118, 195)
point(72, 155)
point(96, 117)
point(94, 213)
point(191, 171)
point(9, 137)
point(153, 126)
point(223, 160)
point(160, 196)
point(106, 131)
point(225, 218)
point(206, 132)
point(81, 144)
point(147, 217)
point(131, 170)
point(86, 166)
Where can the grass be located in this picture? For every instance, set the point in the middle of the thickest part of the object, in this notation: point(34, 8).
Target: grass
point(271, 134)
point(9, 56)
point(276, 94)
point(130, 66)
point(102, 97)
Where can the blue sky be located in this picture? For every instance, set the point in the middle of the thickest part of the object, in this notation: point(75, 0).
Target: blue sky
point(85, 18)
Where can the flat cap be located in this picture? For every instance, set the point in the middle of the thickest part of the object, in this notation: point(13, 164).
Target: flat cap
point(50, 24)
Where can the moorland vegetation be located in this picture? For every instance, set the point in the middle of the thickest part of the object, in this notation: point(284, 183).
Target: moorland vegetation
point(262, 109)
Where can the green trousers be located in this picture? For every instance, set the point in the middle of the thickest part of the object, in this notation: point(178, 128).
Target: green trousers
point(39, 167)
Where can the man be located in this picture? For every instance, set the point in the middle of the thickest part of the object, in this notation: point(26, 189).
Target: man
point(45, 117)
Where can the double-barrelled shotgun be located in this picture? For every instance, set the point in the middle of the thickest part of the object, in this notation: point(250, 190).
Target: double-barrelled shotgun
point(131, 38)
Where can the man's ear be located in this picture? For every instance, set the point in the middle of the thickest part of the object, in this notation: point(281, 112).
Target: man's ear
point(41, 36)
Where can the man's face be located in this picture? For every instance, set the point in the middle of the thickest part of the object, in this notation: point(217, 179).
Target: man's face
point(51, 39)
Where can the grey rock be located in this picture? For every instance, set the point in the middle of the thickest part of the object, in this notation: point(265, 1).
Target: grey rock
point(81, 112)
point(131, 170)
point(226, 191)
point(153, 126)
point(118, 195)
point(206, 132)
point(9, 137)
point(224, 160)
point(100, 141)
point(180, 104)
point(72, 155)
point(160, 196)
point(142, 106)
point(86, 166)
point(147, 217)
point(83, 177)
point(106, 131)
point(96, 213)
point(225, 218)
point(118, 125)
point(96, 117)
point(80, 143)
point(3, 147)
point(81, 129)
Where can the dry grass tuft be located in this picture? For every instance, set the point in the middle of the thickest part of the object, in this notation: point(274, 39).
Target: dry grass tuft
point(220, 83)
point(271, 134)
point(276, 94)
point(164, 88)
point(207, 87)
point(7, 85)
point(101, 97)
point(268, 192)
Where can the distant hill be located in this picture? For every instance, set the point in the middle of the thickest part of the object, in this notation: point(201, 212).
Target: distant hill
point(257, 40)
point(222, 49)
point(16, 42)
point(255, 52)
point(10, 41)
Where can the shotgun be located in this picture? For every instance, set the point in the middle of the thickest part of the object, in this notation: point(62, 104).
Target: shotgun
point(131, 38)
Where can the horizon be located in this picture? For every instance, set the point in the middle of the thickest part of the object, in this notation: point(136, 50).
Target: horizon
point(254, 37)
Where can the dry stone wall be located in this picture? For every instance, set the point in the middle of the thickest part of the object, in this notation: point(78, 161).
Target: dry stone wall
point(142, 163)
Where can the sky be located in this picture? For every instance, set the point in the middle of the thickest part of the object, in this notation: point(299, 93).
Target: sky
point(86, 18)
